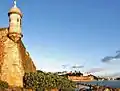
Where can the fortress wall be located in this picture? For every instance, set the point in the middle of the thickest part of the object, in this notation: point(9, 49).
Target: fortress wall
point(14, 60)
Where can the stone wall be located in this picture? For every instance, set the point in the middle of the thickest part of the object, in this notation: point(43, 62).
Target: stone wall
point(27, 62)
point(14, 60)
point(81, 78)
point(12, 68)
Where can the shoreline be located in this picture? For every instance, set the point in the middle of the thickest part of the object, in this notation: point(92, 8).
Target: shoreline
point(93, 80)
point(106, 84)
point(92, 87)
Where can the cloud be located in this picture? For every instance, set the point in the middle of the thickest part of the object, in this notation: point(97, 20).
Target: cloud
point(118, 55)
point(77, 66)
point(116, 74)
point(94, 70)
point(108, 59)
point(65, 65)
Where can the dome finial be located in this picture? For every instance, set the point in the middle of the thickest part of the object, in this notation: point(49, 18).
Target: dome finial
point(15, 9)
point(15, 2)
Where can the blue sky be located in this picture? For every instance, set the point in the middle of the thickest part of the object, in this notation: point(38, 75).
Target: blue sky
point(58, 32)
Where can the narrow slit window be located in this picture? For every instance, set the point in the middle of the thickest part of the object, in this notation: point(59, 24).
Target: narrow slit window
point(20, 22)
point(17, 20)
point(9, 20)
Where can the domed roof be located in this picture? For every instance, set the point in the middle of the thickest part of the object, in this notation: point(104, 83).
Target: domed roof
point(15, 9)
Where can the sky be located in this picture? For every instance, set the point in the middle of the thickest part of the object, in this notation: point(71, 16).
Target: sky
point(69, 32)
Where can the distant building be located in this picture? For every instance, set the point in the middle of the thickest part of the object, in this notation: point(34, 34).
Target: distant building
point(78, 76)
point(81, 78)
point(14, 59)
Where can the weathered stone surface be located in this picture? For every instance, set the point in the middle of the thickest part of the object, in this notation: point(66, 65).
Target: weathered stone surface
point(14, 60)
point(27, 62)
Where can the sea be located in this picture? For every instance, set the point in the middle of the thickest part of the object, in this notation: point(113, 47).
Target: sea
point(110, 83)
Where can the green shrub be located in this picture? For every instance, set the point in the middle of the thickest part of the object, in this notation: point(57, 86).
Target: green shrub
point(3, 84)
point(41, 80)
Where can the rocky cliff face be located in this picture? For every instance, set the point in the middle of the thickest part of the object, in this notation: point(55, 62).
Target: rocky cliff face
point(14, 60)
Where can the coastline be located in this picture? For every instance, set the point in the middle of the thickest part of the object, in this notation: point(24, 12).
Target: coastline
point(108, 83)
point(83, 86)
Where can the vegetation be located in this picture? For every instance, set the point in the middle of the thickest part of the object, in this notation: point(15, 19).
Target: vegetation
point(75, 73)
point(41, 81)
point(72, 73)
point(3, 84)
point(96, 78)
point(117, 78)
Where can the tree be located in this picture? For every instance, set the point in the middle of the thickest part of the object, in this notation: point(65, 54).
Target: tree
point(42, 80)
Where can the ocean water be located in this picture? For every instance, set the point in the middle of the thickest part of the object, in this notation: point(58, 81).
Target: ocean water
point(114, 84)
